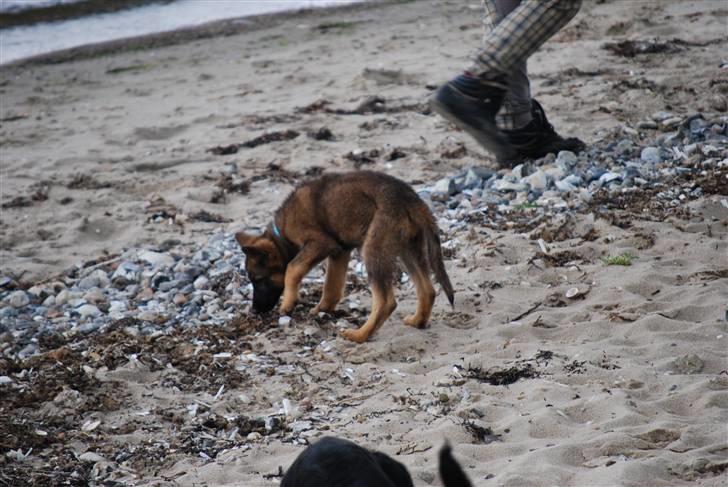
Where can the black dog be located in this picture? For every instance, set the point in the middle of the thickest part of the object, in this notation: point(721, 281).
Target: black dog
point(333, 462)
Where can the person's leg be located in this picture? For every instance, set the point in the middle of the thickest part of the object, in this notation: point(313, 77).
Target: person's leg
point(516, 110)
point(473, 99)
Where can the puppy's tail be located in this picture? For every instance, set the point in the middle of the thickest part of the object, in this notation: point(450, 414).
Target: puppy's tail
point(450, 471)
point(434, 257)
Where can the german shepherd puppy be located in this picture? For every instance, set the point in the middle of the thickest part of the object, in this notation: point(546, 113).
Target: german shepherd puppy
point(335, 462)
point(327, 218)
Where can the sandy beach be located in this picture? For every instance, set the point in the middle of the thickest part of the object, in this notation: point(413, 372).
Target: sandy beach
point(140, 146)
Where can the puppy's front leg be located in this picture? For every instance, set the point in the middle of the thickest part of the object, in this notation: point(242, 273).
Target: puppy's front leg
point(310, 255)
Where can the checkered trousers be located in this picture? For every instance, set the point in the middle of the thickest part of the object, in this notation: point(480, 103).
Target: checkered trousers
point(517, 29)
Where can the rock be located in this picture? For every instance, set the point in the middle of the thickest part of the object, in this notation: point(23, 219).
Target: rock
point(564, 186)
point(201, 283)
point(88, 311)
point(660, 116)
point(688, 364)
point(97, 278)
point(647, 125)
point(651, 155)
point(18, 299)
point(149, 316)
point(608, 177)
point(626, 146)
point(444, 187)
point(718, 102)
point(145, 295)
point(670, 123)
point(555, 173)
point(538, 181)
point(40, 292)
point(91, 457)
point(566, 157)
point(117, 306)
point(284, 321)
point(127, 273)
point(95, 296)
point(574, 180)
point(297, 427)
point(179, 299)
point(503, 186)
point(156, 259)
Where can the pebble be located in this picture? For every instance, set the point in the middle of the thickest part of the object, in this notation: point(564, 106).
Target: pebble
point(156, 259)
point(127, 273)
point(18, 299)
point(95, 296)
point(88, 311)
point(566, 157)
point(651, 155)
point(284, 321)
point(201, 283)
point(538, 181)
point(179, 299)
point(91, 457)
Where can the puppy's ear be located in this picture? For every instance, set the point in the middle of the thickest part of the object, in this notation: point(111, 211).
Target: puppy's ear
point(245, 240)
point(255, 245)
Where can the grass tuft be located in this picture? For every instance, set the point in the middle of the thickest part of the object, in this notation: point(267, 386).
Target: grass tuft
point(622, 259)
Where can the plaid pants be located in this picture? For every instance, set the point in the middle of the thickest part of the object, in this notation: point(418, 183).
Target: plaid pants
point(518, 29)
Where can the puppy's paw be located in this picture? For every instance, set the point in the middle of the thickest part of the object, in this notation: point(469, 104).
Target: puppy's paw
point(321, 308)
point(285, 310)
point(415, 321)
point(354, 335)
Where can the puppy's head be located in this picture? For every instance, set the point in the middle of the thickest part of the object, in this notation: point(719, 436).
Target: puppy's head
point(266, 269)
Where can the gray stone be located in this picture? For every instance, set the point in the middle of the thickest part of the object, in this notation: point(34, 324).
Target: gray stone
point(88, 311)
point(537, 181)
point(647, 125)
point(566, 157)
point(555, 173)
point(97, 278)
point(445, 187)
point(18, 299)
point(651, 155)
point(608, 177)
point(201, 283)
point(503, 185)
point(91, 457)
point(564, 186)
point(89, 327)
point(574, 180)
point(127, 273)
point(95, 296)
point(156, 259)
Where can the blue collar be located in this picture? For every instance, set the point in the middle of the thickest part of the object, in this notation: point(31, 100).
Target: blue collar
point(276, 230)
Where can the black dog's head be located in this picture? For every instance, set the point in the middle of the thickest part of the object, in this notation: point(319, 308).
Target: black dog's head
point(266, 269)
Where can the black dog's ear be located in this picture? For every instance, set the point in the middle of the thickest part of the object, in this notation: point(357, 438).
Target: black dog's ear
point(450, 471)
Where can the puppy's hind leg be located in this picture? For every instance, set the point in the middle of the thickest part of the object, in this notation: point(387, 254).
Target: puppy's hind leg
point(416, 265)
point(380, 264)
point(336, 267)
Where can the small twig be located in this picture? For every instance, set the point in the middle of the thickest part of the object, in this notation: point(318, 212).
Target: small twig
point(528, 311)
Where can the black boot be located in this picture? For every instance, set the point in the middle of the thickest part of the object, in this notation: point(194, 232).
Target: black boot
point(471, 103)
point(539, 138)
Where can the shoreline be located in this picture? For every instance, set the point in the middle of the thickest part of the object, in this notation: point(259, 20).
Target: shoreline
point(182, 35)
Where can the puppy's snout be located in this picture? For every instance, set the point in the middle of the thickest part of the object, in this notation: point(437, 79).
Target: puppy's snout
point(265, 296)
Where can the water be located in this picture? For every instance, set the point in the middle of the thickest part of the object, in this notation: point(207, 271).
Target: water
point(24, 41)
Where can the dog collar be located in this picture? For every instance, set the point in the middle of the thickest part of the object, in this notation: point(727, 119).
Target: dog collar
point(287, 248)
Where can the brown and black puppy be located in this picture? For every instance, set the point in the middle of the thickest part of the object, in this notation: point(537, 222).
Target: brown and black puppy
point(329, 217)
